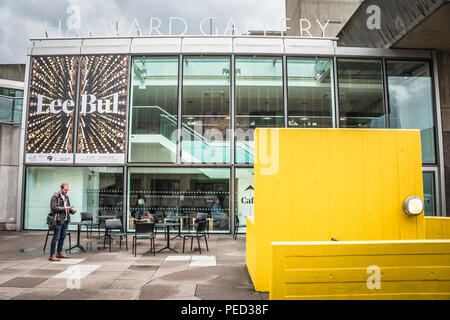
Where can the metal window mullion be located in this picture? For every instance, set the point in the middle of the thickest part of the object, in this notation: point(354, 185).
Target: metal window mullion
point(125, 193)
point(129, 112)
point(232, 109)
point(336, 93)
point(442, 210)
point(179, 122)
point(231, 199)
point(285, 91)
point(386, 94)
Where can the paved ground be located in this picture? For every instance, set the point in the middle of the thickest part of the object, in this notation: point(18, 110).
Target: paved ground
point(26, 272)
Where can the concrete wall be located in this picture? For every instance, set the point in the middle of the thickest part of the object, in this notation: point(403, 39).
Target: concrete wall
point(9, 169)
point(323, 10)
point(14, 72)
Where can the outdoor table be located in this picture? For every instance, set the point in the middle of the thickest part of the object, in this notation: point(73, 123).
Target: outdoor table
point(179, 227)
point(78, 224)
point(167, 225)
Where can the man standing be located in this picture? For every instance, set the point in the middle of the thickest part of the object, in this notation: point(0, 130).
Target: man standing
point(61, 210)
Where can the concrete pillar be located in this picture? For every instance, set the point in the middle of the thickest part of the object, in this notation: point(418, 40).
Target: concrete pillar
point(9, 169)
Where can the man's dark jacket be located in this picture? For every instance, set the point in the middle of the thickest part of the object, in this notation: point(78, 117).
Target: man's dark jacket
point(57, 206)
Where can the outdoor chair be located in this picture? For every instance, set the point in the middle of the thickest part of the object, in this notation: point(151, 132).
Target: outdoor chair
point(200, 227)
point(87, 216)
point(202, 216)
point(110, 226)
point(144, 231)
point(50, 233)
point(236, 227)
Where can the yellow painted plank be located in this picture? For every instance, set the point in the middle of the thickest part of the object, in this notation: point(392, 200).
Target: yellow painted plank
point(387, 287)
point(343, 275)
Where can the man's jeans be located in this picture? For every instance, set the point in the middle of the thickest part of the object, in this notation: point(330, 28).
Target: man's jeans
point(59, 234)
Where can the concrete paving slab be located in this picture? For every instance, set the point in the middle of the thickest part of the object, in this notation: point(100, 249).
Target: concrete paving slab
point(77, 271)
point(168, 267)
point(69, 261)
point(41, 273)
point(78, 294)
point(178, 258)
point(143, 267)
point(160, 289)
point(23, 282)
point(128, 284)
point(130, 274)
point(117, 294)
point(55, 283)
point(39, 294)
point(7, 293)
point(222, 292)
point(7, 264)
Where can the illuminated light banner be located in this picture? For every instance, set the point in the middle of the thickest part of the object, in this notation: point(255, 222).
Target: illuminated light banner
point(51, 110)
point(102, 109)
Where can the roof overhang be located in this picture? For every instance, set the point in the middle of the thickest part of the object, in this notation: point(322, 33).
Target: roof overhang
point(411, 24)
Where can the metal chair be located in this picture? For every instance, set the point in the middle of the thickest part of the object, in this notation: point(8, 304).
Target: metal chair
point(236, 226)
point(110, 226)
point(87, 216)
point(202, 216)
point(144, 231)
point(50, 233)
point(200, 227)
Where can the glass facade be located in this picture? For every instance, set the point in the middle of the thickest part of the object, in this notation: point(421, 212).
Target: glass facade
point(259, 101)
point(310, 93)
point(154, 110)
point(411, 102)
point(361, 96)
point(206, 110)
point(170, 193)
point(206, 124)
point(98, 190)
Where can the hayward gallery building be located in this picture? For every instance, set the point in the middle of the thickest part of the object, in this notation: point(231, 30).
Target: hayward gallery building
point(167, 122)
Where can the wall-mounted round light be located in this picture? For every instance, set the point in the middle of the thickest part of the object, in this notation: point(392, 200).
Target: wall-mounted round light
point(413, 206)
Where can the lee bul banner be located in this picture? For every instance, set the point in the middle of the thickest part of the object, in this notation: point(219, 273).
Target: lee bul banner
point(101, 109)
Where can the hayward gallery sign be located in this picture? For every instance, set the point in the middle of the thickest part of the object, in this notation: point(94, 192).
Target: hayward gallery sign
point(153, 26)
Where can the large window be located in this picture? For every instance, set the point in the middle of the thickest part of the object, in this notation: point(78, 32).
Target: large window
point(411, 101)
point(206, 110)
point(98, 190)
point(310, 93)
point(361, 97)
point(244, 195)
point(259, 100)
point(11, 101)
point(154, 99)
point(170, 193)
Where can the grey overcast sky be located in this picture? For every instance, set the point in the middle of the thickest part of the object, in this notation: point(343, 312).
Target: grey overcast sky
point(22, 19)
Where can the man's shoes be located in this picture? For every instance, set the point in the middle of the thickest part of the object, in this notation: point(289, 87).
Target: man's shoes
point(62, 255)
point(54, 258)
